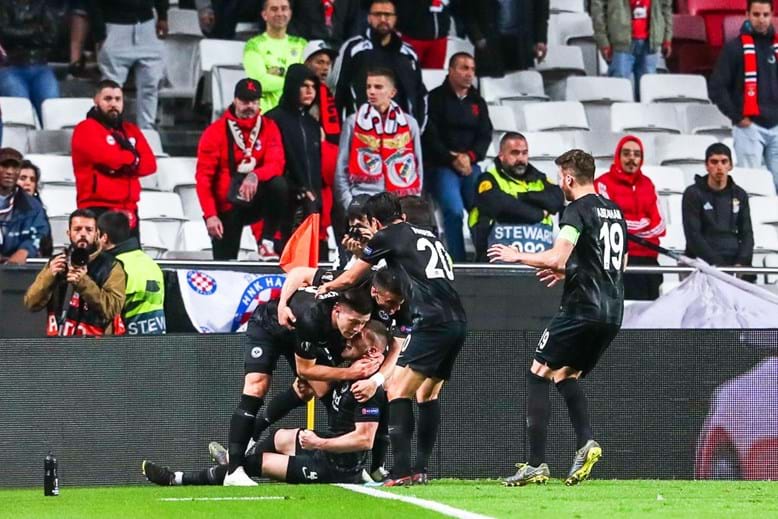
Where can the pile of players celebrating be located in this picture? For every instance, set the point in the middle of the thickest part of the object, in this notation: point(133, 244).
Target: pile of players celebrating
point(369, 339)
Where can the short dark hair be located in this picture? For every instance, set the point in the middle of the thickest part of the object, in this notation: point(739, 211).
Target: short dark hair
point(81, 213)
point(511, 136)
point(457, 56)
point(115, 225)
point(392, 280)
point(369, 3)
point(580, 163)
point(384, 207)
point(26, 164)
point(358, 299)
point(417, 211)
point(106, 83)
point(356, 209)
point(381, 333)
point(718, 148)
point(382, 72)
point(767, 2)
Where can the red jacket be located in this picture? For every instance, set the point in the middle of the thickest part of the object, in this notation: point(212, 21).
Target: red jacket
point(106, 172)
point(213, 175)
point(636, 195)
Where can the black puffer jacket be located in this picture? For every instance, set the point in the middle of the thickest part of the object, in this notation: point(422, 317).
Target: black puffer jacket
point(308, 21)
point(418, 19)
point(29, 29)
point(300, 132)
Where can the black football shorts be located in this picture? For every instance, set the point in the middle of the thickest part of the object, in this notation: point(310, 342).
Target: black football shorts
point(261, 351)
point(574, 342)
point(432, 350)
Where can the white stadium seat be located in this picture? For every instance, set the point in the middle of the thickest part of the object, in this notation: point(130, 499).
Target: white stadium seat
point(576, 29)
point(561, 62)
point(503, 119)
point(193, 237)
point(522, 85)
point(555, 116)
point(765, 238)
point(667, 180)
point(764, 209)
point(567, 6)
point(151, 241)
point(180, 54)
point(600, 145)
point(755, 181)
point(55, 169)
point(454, 45)
point(173, 172)
point(212, 53)
point(183, 22)
point(644, 117)
point(707, 120)
point(433, 77)
point(165, 209)
point(597, 95)
point(155, 142)
point(65, 112)
point(17, 137)
point(673, 88)
point(59, 202)
point(50, 142)
point(682, 149)
point(223, 81)
point(545, 147)
point(18, 111)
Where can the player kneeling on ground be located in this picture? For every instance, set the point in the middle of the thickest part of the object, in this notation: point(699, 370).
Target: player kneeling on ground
point(336, 455)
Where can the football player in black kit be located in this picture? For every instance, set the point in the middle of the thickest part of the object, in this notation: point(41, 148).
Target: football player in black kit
point(590, 255)
point(313, 349)
point(439, 323)
point(334, 455)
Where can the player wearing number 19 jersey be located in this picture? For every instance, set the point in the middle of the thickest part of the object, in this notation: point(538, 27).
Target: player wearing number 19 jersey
point(439, 322)
point(590, 255)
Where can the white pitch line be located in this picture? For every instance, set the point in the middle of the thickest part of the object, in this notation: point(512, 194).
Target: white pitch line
point(449, 511)
point(238, 498)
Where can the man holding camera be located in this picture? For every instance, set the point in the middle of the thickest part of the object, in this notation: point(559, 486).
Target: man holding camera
point(82, 288)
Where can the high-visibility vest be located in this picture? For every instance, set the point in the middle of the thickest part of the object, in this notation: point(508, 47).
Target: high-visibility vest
point(144, 312)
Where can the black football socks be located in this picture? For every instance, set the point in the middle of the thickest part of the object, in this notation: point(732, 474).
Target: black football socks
point(427, 428)
point(280, 406)
point(538, 410)
point(241, 428)
point(400, 433)
point(577, 408)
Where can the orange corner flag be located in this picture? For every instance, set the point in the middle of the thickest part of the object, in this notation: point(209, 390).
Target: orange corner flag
point(302, 249)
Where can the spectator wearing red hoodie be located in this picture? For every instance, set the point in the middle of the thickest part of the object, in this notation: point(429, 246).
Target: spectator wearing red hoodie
point(109, 157)
point(239, 177)
point(627, 186)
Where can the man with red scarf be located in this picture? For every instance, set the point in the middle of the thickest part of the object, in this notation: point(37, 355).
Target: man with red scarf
point(744, 86)
point(635, 194)
point(380, 146)
point(239, 177)
point(109, 157)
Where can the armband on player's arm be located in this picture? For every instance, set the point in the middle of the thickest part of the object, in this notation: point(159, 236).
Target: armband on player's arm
point(569, 233)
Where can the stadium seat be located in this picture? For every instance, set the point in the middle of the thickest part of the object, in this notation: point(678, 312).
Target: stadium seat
point(770, 260)
point(17, 137)
point(575, 29)
point(248, 244)
point(149, 182)
point(644, 117)
point(674, 239)
point(55, 169)
point(59, 201)
point(545, 147)
point(223, 81)
point(174, 172)
point(667, 180)
point(567, 6)
point(556, 116)
point(561, 62)
point(757, 182)
point(597, 94)
point(18, 111)
point(733, 22)
point(707, 120)
point(155, 142)
point(684, 151)
point(192, 208)
point(165, 209)
point(151, 242)
point(691, 53)
point(502, 119)
point(193, 237)
point(672, 209)
point(50, 142)
point(183, 22)
point(673, 88)
point(714, 12)
point(525, 85)
point(455, 45)
point(764, 209)
point(765, 238)
point(212, 53)
point(433, 77)
point(180, 51)
point(601, 146)
point(65, 112)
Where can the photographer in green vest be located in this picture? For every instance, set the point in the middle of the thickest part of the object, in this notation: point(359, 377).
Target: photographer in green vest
point(514, 202)
point(143, 312)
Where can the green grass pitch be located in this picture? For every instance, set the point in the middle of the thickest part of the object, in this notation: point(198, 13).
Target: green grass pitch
point(682, 499)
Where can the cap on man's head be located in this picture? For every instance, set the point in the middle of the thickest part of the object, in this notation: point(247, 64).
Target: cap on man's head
point(718, 148)
point(317, 46)
point(248, 89)
point(10, 155)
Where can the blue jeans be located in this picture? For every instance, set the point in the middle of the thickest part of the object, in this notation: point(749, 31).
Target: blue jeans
point(453, 193)
point(35, 82)
point(637, 61)
point(754, 143)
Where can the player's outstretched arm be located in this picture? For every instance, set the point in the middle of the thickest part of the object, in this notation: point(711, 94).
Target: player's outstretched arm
point(295, 278)
point(360, 439)
point(348, 279)
point(554, 258)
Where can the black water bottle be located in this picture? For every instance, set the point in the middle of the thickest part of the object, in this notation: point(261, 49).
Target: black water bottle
point(50, 478)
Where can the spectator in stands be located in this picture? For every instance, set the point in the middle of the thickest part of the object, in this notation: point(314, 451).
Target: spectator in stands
point(239, 177)
point(424, 25)
point(109, 156)
point(96, 280)
point(716, 214)
point(29, 181)
point(333, 21)
point(457, 136)
point(380, 147)
point(28, 32)
point(129, 38)
point(508, 35)
point(380, 46)
point(144, 301)
point(219, 18)
point(268, 55)
point(627, 186)
point(755, 115)
point(301, 136)
point(23, 221)
point(78, 21)
point(514, 202)
point(630, 35)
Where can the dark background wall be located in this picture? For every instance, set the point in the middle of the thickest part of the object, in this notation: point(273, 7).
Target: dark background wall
point(103, 405)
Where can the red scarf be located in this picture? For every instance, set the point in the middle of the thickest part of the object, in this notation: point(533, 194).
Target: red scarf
point(382, 149)
point(328, 112)
point(329, 10)
point(750, 93)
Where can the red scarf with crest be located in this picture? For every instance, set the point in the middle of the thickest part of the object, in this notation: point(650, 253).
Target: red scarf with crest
point(750, 92)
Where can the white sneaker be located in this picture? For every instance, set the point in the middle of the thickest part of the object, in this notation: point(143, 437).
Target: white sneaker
point(239, 478)
point(267, 251)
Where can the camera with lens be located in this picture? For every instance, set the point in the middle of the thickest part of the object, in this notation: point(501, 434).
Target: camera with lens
point(355, 233)
point(77, 257)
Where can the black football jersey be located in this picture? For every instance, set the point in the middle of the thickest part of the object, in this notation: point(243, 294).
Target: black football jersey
point(417, 251)
point(594, 285)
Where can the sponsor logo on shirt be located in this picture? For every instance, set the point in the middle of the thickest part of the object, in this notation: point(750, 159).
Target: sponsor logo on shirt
point(370, 411)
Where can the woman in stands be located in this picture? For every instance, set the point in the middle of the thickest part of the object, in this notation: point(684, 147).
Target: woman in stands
point(29, 180)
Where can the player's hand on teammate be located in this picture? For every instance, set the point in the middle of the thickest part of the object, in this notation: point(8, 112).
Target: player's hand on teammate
point(286, 317)
point(308, 440)
point(503, 253)
point(550, 277)
point(363, 390)
point(363, 368)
